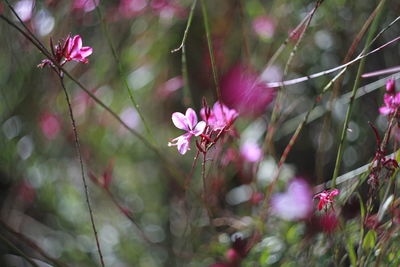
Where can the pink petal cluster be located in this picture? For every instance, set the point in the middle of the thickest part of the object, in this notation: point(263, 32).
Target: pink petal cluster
point(187, 122)
point(73, 50)
point(391, 99)
point(326, 197)
point(219, 117)
point(242, 90)
point(296, 203)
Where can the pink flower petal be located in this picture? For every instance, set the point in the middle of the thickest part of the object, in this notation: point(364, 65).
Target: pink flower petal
point(199, 129)
point(183, 144)
point(334, 192)
point(191, 118)
point(384, 110)
point(86, 51)
point(180, 121)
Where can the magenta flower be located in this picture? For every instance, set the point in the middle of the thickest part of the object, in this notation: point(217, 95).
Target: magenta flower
point(391, 99)
point(219, 117)
point(326, 197)
point(187, 122)
point(296, 203)
point(73, 50)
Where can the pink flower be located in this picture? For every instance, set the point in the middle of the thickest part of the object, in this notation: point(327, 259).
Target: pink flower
point(251, 152)
point(296, 203)
point(187, 122)
point(242, 90)
point(73, 50)
point(264, 27)
point(391, 99)
point(219, 117)
point(391, 86)
point(326, 197)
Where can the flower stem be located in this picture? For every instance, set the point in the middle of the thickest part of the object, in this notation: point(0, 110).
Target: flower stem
point(78, 151)
point(210, 49)
point(360, 70)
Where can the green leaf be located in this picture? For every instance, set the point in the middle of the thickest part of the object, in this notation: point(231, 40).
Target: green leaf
point(264, 258)
point(369, 240)
point(351, 252)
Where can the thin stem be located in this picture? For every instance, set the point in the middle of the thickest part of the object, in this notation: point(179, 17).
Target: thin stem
point(189, 22)
point(360, 70)
point(210, 49)
point(20, 252)
point(122, 72)
point(205, 190)
point(78, 151)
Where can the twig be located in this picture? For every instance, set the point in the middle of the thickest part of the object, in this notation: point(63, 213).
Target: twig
point(78, 151)
point(189, 22)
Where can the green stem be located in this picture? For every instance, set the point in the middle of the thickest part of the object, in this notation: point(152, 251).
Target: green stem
point(360, 70)
point(210, 48)
point(187, 97)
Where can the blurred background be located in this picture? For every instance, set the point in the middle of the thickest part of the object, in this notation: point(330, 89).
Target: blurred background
point(143, 215)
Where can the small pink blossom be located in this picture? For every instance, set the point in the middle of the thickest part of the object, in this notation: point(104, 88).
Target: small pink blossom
point(73, 50)
point(326, 197)
point(391, 99)
point(219, 117)
point(187, 122)
point(296, 203)
point(391, 86)
point(251, 152)
point(264, 27)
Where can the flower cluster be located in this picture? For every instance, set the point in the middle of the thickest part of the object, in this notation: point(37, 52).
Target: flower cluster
point(391, 99)
point(326, 198)
point(216, 121)
point(68, 50)
point(187, 122)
